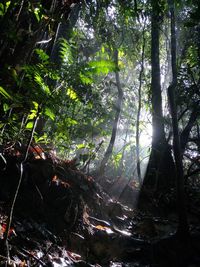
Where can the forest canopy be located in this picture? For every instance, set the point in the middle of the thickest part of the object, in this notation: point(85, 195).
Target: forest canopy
point(110, 83)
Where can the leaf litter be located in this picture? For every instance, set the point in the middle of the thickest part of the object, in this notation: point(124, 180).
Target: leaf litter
point(63, 217)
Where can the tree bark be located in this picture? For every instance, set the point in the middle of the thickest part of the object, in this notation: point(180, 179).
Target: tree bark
point(160, 168)
point(139, 112)
point(109, 150)
point(183, 228)
point(184, 136)
point(157, 114)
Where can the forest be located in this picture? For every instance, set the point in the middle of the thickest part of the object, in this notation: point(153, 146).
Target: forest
point(99, 133)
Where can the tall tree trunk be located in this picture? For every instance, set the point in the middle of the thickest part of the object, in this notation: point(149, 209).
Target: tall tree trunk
point(139, 111)
point(160, 166)
point(157, 114)
point(183, 228)
point(109, 150)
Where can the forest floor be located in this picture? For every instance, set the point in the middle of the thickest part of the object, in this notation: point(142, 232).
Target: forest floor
point(63, 217)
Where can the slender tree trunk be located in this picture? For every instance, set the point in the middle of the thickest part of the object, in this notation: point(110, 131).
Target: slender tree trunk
point(138, 113)
point(121, 165)
point(184, 136)
point(183, 229)
point(198, 137)
point(109, 150)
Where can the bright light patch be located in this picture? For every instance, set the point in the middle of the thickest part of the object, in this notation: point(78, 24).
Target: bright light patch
point(146, 135)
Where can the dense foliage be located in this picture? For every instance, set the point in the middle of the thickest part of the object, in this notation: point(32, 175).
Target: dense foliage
point(58, 68)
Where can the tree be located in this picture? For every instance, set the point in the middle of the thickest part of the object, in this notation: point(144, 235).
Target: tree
point(160, 168)
point(117, 115)
point(139, 108)
point(183, 228)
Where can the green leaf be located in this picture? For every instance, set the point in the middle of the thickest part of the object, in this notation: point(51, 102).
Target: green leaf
point(29, 125)
point(6, 107)
point(37, 11)
point(33, 111)
point(102, 66)
point(49, 113)
point(72, 94)
point(32, 115)
point(1, 124)
point(1, 9)
point(65, 52)
point(116, 159)
point(70, 121)
point(80, 146)
point(4, 93)
point(4, 7)
point(42, 55)
point(85, 79)
point(36, 105)
point(41, 139)
point(38, 79)
point(91, 145)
